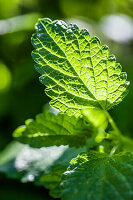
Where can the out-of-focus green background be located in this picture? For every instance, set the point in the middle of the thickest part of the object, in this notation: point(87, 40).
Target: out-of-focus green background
point(21, 94)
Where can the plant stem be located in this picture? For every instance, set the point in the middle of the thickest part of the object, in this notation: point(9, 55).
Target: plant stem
point(123, 140)
point(112, 123)
point(113, 150)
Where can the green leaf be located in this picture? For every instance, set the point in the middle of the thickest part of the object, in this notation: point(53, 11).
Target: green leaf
point(52, 180)
point(98, 176)
point(76, 69)
point(49, 129)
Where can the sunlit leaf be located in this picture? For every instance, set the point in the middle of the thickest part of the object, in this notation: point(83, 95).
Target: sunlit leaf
point(77, 70)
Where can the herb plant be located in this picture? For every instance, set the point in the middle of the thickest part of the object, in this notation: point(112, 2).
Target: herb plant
point(76, 150)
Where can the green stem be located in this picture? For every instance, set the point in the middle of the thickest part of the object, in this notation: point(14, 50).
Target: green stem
point(113, 150)
point(113, 124)
point(126, 142)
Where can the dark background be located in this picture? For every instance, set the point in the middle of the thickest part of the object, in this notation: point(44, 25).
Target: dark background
point(21, 94)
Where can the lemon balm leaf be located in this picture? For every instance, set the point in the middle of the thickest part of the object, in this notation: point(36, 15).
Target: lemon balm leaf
point(98, 176)
point(77, 70)
point(49, 129)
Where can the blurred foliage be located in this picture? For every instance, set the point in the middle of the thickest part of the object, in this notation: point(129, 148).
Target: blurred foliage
point(21, 94)
point(19, 161)
point(95, 9)
point(5, 78)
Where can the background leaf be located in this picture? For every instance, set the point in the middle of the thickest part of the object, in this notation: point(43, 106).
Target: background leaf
point(53, 128)
point(42, 166)
point(50, 129)
point(26, 163)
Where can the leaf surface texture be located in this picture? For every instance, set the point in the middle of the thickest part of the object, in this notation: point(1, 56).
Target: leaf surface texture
point(98, 176)
point(49, 129)
point(76, 69)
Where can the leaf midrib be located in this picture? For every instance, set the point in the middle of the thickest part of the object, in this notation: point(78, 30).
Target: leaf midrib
point(72, 66)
